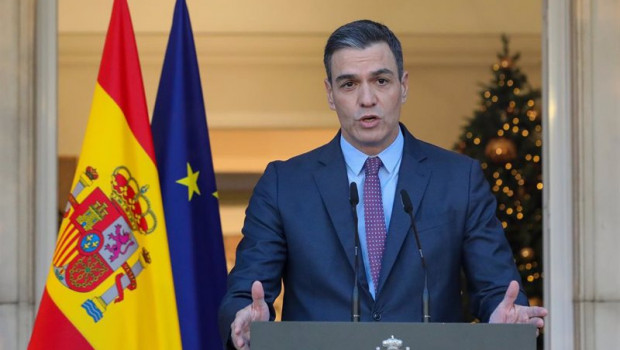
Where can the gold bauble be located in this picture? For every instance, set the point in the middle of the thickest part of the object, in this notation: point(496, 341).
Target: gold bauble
point(501, 150)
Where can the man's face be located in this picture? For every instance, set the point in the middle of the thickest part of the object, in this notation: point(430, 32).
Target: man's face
point(367, 95)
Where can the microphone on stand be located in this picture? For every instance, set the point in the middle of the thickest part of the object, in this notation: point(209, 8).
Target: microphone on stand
point(355, 306)
point(408, 207)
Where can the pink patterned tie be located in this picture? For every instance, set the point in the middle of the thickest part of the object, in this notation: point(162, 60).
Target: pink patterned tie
point(374, 217)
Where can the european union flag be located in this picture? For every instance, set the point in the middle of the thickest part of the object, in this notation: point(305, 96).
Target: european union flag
point(183, 153)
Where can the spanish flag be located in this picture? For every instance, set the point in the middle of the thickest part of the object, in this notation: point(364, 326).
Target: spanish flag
point(110, 285)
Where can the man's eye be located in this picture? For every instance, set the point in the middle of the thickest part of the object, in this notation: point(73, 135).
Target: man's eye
point(382, 81)
point(347, 84)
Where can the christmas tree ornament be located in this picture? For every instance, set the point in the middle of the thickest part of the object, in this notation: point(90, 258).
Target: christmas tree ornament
point(501, 150)
point(506, 62)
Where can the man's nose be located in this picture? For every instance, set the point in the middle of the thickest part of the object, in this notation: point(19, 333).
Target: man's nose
point(367, 96)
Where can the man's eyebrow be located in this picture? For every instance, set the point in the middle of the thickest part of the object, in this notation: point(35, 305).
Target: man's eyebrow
point(383, 71)
point(345, 77)
point(374, 74)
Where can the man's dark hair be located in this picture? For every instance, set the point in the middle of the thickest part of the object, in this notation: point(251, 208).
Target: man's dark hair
point(359, 35)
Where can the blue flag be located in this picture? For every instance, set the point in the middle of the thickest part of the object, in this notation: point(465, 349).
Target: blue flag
point(191, 208)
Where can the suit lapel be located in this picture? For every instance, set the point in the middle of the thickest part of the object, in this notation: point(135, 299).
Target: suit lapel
point(413, 177)
point(333, 185)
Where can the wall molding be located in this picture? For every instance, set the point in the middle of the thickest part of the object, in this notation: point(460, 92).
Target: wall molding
point(46, 129)
point(559, 227)
point(304, 49)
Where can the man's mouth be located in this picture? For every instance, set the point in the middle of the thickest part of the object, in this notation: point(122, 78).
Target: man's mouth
point(369, 121)
point(369, 118)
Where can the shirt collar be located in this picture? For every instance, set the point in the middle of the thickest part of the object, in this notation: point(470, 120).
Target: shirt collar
point(390, 156)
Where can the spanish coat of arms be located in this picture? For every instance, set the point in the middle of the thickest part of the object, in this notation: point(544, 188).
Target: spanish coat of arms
point(98, 238)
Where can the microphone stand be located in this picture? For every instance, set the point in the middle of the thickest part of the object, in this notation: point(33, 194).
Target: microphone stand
point(408, 207)
point(355, 307)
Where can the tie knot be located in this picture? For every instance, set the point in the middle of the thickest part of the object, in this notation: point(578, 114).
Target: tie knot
point(372, 165)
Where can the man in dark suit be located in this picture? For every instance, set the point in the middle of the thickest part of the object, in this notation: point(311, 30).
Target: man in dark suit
point(299, 225)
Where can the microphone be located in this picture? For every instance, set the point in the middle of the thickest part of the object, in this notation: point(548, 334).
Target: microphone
point(408, 207)
point(355, 300)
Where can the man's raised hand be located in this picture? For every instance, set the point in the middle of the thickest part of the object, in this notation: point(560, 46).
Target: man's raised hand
point(257, 311)
point(508, 312)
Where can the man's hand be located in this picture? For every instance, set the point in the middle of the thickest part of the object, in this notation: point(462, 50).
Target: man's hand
point(257, 311)
point(508, 312)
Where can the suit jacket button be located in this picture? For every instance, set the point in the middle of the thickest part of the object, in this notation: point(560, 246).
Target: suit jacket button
point(376, 316)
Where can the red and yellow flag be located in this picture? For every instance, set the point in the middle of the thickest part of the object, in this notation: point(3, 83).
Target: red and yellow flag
point(110, 285)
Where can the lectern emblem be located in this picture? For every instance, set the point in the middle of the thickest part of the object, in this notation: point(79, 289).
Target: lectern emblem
point(392, 344)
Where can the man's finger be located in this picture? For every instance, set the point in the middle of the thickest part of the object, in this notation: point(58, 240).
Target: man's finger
point(536, 311)
point(237, 328)
point(258, 294)
point(241, 321)
point(511, 294)
point(537, 321)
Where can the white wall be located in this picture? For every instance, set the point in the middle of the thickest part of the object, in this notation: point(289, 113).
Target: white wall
point(16, 171)
point(269, 82)
point(597, 297)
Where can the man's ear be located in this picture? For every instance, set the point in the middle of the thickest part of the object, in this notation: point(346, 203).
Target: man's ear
point(330, 94)
point(404, 86)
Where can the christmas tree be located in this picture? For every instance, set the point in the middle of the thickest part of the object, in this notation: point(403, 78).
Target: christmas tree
point(505, 135)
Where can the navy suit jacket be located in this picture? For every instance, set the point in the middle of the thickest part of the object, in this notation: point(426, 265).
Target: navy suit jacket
point(299, 230)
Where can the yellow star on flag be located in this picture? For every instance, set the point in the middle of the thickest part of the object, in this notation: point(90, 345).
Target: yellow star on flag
point(191, 181)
